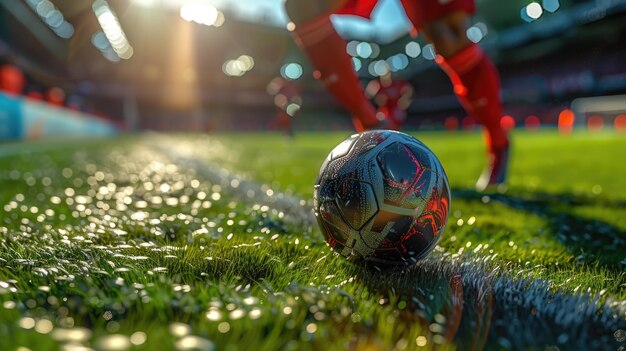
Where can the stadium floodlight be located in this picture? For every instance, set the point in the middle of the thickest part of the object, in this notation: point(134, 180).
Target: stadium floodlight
point(112, 29)
point(146, 3)
point(53, 17)
point(201, 13)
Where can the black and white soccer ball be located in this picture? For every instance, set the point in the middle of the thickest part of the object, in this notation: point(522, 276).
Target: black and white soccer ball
point(382, 196)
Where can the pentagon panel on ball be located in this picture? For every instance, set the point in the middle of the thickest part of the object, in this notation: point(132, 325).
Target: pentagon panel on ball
point(382, 196)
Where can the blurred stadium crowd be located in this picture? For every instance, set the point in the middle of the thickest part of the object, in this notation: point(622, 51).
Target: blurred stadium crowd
point(208, 65)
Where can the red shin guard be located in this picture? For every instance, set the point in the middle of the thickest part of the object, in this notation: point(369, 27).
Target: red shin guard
point(327, 52)
point(477, 85)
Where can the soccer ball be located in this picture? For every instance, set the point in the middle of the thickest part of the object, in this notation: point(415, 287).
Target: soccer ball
point(382, 196)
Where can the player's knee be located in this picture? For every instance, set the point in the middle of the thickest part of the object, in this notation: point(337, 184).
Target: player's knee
point(299, 11)
point(448, 34)
point(447, 46)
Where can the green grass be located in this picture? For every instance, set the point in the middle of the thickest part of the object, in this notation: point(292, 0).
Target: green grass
point(148, 237)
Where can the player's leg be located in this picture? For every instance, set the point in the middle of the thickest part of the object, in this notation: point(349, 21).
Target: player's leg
point(326, 51)
point(476, 83)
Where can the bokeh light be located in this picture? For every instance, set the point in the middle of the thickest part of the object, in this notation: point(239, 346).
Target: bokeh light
point(451, 123)
point(51, 16)
point(566, 121)
point(595, 123)
point(398, 62)
point(201, 13)
point(428, 52)
point(291, 71)
point(532, 123)
point(239, 66)
point(356, 63)
point(474, 34)
point(112, 29)
point(551, 5)
point(413, 49)
point(620, 123)
point(507, 122)
point(534, 10)
point(364, 50)
point(351, 47)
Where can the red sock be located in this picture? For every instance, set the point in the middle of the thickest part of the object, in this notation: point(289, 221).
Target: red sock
point(477, 85)
point(327, 52)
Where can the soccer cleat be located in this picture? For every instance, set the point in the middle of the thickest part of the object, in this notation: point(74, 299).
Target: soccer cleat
point(495, 172)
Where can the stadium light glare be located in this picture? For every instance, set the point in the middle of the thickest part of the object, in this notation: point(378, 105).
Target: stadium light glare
point(112, 31)
point(52, 17)
point(44, 8)
point(201, 13)
point(146, 3)
point(65, 30)
point(220, 19)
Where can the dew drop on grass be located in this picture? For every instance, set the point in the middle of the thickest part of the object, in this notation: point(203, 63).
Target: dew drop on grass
point(74, 335)
point(179, 329)
point(311, 328)
point(223, 327)
point(114, 342)
point(138, 338)
point(421, 341)
point(43, 326)
point(195, 343)
point(26, 323)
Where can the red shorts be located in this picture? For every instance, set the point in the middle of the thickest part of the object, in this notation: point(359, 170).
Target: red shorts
point(425, 10)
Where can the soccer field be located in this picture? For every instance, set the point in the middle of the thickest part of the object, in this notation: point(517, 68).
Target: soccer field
point(196, 242)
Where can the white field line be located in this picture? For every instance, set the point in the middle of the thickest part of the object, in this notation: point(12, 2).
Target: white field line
point(296, 210)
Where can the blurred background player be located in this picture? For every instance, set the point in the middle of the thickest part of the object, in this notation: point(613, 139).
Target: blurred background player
point(287, 100)
point(55, 96)
point(12, 80)
point(475, 79)
point(392, 96)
